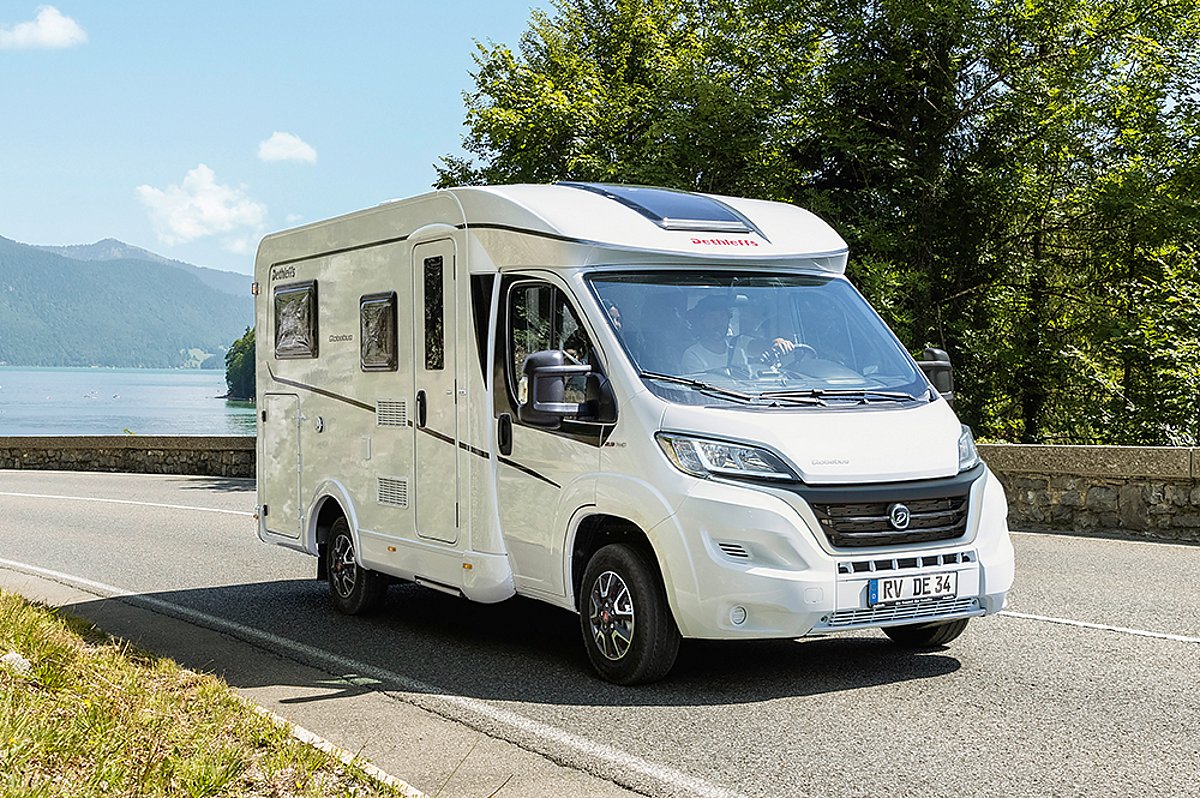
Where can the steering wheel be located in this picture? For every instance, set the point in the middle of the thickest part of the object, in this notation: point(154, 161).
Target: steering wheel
point(773, 357)
point(800, 352)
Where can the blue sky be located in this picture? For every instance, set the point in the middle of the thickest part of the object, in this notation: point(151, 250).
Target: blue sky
point(193, 128)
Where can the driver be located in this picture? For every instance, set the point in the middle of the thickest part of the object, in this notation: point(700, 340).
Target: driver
point(716, 349)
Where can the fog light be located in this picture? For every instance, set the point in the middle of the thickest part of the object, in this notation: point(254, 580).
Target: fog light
point(738, 615)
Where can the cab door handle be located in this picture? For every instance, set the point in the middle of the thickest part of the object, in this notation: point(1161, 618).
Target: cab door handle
point(421, 409)
point(504, 434)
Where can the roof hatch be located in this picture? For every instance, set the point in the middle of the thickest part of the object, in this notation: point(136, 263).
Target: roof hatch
point(673, 210)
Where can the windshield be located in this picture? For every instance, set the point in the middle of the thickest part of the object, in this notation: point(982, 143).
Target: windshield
point(775, 340)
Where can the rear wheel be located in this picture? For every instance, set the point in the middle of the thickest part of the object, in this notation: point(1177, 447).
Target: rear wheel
point(354, 589)
point(926, 635)
point(628, 629)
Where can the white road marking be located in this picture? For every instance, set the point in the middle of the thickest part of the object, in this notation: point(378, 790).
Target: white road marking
point(1103, 539)
point(673, 779)
point(127, 501)
point(1103, 627)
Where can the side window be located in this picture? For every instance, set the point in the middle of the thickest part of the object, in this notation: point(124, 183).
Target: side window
point(377, 332)
point(296, 320)
point(435, 339)
point(540, 318)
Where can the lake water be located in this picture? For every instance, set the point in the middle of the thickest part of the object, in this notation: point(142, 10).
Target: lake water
point(85, 401)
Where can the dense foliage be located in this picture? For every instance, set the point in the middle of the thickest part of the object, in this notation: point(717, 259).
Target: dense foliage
point(58, 311)
point(239, 367)
point(1018, 181)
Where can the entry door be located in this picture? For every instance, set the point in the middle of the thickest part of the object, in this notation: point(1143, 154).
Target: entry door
point(281, 464)
point(436, 394)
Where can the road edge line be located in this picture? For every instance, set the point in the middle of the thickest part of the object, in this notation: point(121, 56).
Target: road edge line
point(1100, 626)
point(309, 738)
point(664, 774)
point(101, 500)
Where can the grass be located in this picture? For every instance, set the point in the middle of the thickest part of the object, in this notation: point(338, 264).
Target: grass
point(96, 717)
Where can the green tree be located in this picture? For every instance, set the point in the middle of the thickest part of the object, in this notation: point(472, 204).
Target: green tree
point(1016, 180)
point(239, 367)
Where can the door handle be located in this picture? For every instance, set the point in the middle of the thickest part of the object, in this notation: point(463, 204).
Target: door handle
point(504, 436)
point(421, 409)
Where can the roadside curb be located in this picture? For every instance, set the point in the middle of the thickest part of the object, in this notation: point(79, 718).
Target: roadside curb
point(341, 754)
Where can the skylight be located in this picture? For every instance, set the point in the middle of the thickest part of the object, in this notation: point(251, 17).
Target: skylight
point(673, 210)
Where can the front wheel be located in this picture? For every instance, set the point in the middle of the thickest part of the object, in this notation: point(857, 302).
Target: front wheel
point(926, 635)
point(354, 589)
point(628, 629)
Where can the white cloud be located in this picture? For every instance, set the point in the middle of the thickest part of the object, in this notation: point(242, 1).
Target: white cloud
point(286, 147)
point(199, 207)
point(242, 245)
point(49, 30)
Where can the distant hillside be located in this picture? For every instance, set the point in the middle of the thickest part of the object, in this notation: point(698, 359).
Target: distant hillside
point(125, 312)
point(111, 249)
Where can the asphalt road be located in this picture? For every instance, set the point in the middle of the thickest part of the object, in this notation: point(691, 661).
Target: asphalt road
point(1088, 685)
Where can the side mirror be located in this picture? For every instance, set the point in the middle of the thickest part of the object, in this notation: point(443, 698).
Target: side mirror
point(936, 365)
point(543, 402)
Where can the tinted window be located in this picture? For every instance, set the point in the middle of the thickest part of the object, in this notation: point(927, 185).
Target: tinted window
point(377, 332)
point(296, 320)
point(540, 318)
point(435, 343)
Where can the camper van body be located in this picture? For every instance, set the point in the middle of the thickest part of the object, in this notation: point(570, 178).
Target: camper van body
point(390, 389)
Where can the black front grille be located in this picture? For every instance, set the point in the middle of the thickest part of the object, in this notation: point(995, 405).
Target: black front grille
point(859, 524)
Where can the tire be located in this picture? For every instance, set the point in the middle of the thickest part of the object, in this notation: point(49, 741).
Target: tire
point(926, 635)
point(353, 589)
point(628, 630)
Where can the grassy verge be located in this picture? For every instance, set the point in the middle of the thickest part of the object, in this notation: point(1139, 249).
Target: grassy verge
point(94, 717)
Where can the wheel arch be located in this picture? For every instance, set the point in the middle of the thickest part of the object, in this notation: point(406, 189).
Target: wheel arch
point(330, 503)
point(593, 532)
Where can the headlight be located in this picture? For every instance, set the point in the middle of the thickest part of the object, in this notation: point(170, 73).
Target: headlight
point(701, 457)
point(968, 455)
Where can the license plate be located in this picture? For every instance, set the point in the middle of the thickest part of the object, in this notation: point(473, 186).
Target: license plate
point(909, 588)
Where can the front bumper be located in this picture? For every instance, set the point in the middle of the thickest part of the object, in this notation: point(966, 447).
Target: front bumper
point(741, 563)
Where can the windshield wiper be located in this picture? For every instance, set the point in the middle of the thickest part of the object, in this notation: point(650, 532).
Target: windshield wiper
point(698, 385)
point(864, 396)
point(728, 393)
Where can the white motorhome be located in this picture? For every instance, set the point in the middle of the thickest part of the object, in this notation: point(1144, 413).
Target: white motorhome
point(668, 412)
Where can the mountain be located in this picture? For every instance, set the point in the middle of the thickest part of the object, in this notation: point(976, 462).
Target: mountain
point(125, 312)
point(111, 249)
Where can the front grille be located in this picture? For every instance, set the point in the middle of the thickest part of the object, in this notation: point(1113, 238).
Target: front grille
point(909, 610)
point(859, 524)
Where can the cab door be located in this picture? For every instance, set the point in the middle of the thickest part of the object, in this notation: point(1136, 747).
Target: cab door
point(436, 471)
point(537, 465)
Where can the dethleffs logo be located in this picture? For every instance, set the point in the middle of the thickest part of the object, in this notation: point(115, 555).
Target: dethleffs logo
point(726, 242)
point(283, 273)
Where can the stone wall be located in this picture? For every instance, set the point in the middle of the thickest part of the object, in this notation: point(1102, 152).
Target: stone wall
point(1131, 491)
point(218, 456)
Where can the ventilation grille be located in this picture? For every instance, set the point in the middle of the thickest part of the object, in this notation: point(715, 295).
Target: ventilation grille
point(906, 563)
point(867, 524)
point(391, 413)
point(909, 610)
point(393, 491)
point(735, 550)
